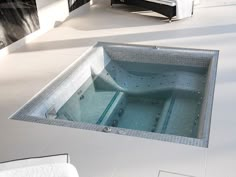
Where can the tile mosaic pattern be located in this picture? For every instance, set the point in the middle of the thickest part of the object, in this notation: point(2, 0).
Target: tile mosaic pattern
point(62, 87)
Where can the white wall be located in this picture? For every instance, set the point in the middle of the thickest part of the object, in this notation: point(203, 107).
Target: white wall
point(51, 11)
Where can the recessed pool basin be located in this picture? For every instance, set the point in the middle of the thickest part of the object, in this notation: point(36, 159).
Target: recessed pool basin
point(144, 91)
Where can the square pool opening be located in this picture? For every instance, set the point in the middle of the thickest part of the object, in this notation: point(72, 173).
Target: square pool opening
point(144, 91)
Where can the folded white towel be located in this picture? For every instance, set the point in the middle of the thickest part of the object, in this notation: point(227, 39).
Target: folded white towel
point(48, 170)
point(184, 8)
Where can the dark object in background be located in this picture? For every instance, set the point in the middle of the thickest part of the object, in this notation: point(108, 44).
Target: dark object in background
point(166, 10)
point(74, 4)
point(18, 18)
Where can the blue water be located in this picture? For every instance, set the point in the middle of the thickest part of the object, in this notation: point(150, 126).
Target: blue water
point(147, 97)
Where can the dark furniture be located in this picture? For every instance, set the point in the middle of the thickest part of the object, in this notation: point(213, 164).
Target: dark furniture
point(164, 9)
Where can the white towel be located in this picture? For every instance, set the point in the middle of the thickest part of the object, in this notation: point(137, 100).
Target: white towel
point(49, 170)
point(184, 8)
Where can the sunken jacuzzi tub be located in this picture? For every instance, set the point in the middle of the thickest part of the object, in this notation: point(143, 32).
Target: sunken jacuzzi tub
point(151, 92)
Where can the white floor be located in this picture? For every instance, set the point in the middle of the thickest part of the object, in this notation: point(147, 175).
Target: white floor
point(24, 72)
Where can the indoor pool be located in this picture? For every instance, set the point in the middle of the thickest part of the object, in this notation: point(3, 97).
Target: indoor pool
point(144, 91)
point(146, 97)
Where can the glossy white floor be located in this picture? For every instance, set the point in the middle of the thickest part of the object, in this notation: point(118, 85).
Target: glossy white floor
point(27, 70)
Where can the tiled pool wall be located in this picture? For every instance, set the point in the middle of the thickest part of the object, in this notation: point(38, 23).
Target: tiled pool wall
point(56, 93)
point(205, 117)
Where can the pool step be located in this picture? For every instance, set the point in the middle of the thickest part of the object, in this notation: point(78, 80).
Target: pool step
point(179, 117)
